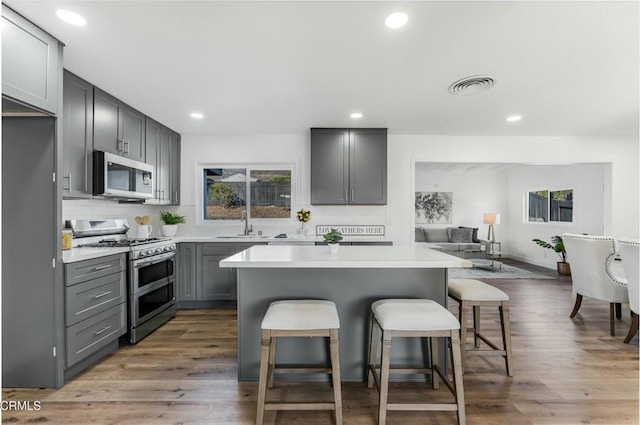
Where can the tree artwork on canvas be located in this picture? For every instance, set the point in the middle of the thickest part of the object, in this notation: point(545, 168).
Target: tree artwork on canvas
point(434, 207)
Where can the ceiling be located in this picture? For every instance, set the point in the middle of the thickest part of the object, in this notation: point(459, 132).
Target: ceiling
point(569, 68)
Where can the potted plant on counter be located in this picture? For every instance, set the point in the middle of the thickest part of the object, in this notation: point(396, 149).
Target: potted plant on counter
point(558, 246)
point(333, 238)
point(171, 222)
point(303, 216)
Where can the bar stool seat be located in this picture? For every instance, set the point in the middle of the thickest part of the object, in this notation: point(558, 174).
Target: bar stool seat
point(472, 293)
point(414, 318)
point(299, 318)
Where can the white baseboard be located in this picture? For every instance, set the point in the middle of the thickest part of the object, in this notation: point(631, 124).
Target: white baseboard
point(531, 261)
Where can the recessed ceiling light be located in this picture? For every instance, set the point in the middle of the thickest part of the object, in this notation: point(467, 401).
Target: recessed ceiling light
point(71, 17)
point(514, 118)
point(396, 20)
point(356, 115)
point(197, 115)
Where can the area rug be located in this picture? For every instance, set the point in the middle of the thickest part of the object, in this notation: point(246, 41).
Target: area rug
point(507, 272)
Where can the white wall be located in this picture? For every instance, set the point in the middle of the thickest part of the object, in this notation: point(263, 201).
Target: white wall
point(589, 187)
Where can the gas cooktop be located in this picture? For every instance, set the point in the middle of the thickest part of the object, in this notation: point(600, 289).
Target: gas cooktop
point(122, 243)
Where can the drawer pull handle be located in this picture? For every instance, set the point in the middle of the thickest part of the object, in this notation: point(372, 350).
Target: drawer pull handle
point(102, 330)
point(104, 294)
point(108, 266)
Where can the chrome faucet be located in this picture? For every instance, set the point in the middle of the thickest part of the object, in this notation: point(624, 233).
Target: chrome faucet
point(247, 228)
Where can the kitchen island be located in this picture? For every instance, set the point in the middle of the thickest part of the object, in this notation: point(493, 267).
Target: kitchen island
point(353, 279)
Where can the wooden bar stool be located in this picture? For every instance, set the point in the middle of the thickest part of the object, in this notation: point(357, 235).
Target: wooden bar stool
point(417, 318)
point(471, 293)
point(298, 318)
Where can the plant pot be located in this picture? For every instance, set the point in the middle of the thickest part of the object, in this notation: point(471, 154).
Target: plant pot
point(169, 230)
point(563, 268)
point(301, 231)
point(334, 247)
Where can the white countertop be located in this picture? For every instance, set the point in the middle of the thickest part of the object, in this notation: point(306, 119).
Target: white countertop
point(282, 256)
point(79, 254)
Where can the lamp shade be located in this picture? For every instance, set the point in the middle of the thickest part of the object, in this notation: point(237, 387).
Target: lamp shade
point(491, 218)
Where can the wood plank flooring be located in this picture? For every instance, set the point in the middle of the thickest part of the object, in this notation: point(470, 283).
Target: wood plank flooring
point(566, 372)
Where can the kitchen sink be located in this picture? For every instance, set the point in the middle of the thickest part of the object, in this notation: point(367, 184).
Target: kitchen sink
point(241, 236)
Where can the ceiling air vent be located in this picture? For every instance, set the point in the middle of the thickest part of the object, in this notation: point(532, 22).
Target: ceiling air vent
point(472, 85)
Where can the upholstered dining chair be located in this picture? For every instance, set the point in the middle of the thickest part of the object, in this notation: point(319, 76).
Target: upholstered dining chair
point(630, 254)
point(591, 259)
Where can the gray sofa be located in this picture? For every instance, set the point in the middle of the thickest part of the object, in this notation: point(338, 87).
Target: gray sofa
point(459, 241)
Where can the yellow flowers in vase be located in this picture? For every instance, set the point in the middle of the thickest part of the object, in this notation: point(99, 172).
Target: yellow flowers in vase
point(303, 216)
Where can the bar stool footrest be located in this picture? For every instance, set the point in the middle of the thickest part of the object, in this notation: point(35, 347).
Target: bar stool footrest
point(299, 406)
point(423, 407)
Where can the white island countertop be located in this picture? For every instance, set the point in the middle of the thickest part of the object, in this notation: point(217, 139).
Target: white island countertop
point(262, 256)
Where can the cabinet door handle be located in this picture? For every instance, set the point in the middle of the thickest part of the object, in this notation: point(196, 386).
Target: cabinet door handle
point(98, 332)
point(351, 195)
point(108, 266)
point(121, 146)
point(162, 194)
point(104, 294)
point(69, 180)
point(175, 197)
point(126, 147)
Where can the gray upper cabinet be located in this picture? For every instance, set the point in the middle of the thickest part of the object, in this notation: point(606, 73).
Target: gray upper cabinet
point(77, 142)
point(348, 166)
point(175, 168)
point(117, 128)
point(30, 63)
point(163, 146)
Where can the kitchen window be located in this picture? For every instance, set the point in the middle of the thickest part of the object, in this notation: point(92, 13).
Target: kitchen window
point(264, 192)
point(546, 206)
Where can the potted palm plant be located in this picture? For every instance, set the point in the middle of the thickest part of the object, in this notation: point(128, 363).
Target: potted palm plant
point(558, 246)
point(171, 222)
point(333, 238)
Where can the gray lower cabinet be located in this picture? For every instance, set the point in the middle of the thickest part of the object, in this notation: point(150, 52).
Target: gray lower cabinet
point(77, 127)
point(201, 280)
point(117, 127)
point(95, 309)
point(348, 166)
point(31, 62)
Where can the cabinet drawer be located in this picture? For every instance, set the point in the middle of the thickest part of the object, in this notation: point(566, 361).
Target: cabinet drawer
point(218, 248)
point(94, 296)
point(88, 336)
point(94, 268)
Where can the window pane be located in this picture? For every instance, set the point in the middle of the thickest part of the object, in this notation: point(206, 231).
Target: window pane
point(270, 193)
point(225, 193)
point(539, 206)
point(561, 205)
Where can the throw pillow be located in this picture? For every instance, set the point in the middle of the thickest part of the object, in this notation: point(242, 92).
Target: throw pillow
point(420, 235)
point(436, 235)
point(461, 235)
point(474, 235)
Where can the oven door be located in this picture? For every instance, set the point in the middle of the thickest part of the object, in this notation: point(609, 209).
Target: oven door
point(149, 302)
point(152, 272)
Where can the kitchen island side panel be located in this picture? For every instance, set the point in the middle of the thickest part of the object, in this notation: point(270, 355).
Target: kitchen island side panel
point(353, 291)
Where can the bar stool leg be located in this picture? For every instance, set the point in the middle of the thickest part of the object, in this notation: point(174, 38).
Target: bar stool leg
point(476, 325)
point(433, 342)
point(272, 363)
point(506, 336)
point(457, 375)
point(373, 351)
point(262, 380)
point(335, 374)
point(464, 313)
point(384, 377)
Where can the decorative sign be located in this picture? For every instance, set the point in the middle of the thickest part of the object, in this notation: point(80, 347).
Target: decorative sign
point(352, 230)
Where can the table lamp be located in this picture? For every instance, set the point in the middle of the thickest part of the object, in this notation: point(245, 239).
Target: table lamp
point(491, 219)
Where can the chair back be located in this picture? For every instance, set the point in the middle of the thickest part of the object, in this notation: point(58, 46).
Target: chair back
point(590, 258)
point(630, 254)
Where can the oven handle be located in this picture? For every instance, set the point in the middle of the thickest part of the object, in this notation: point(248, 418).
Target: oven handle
point(156, 259)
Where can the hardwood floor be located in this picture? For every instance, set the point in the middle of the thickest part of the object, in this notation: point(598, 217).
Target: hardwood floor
point(566, 372)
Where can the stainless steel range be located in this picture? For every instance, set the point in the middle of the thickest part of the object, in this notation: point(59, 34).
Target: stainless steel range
point(151, 274)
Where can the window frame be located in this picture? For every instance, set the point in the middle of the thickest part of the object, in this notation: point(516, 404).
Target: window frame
point(199, 194)
point(549, 221)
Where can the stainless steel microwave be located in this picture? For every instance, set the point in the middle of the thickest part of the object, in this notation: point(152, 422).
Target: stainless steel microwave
point(115, 176)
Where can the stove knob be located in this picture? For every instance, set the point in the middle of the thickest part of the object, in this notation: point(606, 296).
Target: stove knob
point(141, 254)
point(148, 252)
point(158, 251)
point(166, 249)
